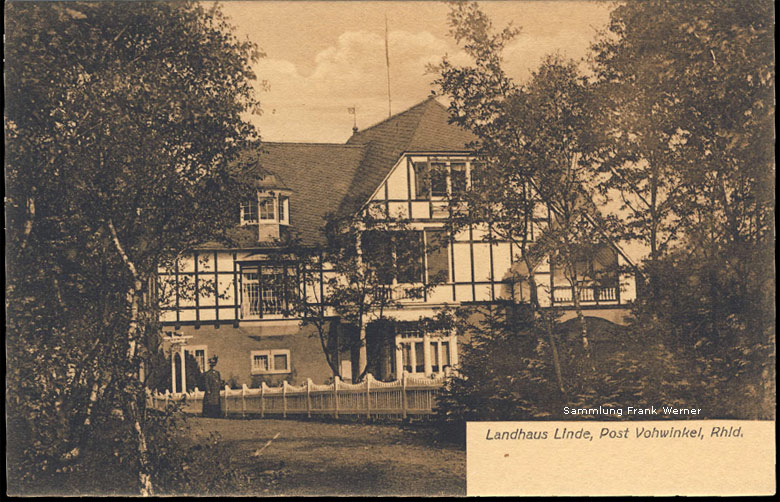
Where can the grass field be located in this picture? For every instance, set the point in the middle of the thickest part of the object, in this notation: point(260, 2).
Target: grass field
point(320, 458)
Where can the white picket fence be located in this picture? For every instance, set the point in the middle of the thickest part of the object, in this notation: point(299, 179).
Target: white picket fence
point(409, 396)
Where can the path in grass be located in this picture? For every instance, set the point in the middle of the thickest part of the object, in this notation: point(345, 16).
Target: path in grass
point(318, 458)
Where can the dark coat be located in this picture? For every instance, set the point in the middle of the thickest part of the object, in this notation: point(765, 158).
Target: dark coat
point(212, 383)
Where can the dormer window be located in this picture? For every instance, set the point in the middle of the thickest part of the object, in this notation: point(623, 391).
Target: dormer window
point(249, 212)
point(272, 207)
point(267, 209)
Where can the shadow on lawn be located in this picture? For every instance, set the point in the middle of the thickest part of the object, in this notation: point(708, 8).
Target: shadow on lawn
point(318, 457)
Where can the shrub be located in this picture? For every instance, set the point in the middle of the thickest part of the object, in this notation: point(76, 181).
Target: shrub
point(506, 372)
point(107, 462)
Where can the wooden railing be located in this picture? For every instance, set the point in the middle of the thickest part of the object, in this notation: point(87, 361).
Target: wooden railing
point(412, 395)
point(563, 294)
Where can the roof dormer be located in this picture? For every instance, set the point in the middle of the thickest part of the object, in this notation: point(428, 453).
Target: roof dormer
point(269, 208)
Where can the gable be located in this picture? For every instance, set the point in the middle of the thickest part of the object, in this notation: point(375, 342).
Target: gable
point(424, 127)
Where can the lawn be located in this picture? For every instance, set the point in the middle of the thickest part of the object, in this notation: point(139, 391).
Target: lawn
point(332, 458)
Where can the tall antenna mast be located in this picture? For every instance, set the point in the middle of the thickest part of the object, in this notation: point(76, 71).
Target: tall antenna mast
point(387, 60)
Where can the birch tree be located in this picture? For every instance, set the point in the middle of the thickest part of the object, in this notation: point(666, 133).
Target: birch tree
point(123, 124)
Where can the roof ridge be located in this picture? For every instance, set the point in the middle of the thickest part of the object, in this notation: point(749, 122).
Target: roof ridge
point(396, 115)
point(311, 143)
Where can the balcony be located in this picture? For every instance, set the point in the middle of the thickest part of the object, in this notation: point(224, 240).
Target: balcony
point(563, 295)
point(267, 301)
point(404, 292)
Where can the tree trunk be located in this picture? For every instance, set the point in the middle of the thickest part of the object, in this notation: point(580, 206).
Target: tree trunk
point(133, 294)
point(328, 338)
point(537, 310)
point(582, 321)
point(362, 354)
point(654, 287)
point(144, 471)
point(556, 361)
point(580, 316)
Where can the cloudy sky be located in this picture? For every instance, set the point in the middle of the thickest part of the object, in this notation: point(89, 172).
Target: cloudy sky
point(324, 57)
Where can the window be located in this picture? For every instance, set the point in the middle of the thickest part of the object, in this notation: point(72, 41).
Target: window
point(477, 174)
point(407, 340)
point(394, 256)
point(440, 355)
point(270, 361)
point(438, 179)
point(280, 362)
point(406, 356)
point(408, 247)
point(259, 363)
point(272, 291)
point(378, 254)
point(597, 265)
point(421, 181)
point(458, 178)
point(437, 243)
point(604, 267)
point(445, 351)
point(199, 353)
point(248, 211)
point(267, 209)
point(414, 359)
point(419, 363)
point(267, 290)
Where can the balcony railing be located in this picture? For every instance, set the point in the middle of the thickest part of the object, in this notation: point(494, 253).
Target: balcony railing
point(588, 294)
point(267, 300)
point(399, 292)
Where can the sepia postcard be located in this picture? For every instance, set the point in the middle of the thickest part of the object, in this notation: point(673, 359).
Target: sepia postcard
point(390, 248)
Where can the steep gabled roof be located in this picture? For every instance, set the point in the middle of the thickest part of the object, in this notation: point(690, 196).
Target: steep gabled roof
point(319, 175)
point(332, 178)
point(424, 127)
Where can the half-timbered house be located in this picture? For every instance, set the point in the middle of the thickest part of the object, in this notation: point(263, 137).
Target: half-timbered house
point(237, 301)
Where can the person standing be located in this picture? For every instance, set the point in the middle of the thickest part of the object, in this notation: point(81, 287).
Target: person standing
point(212, 383)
